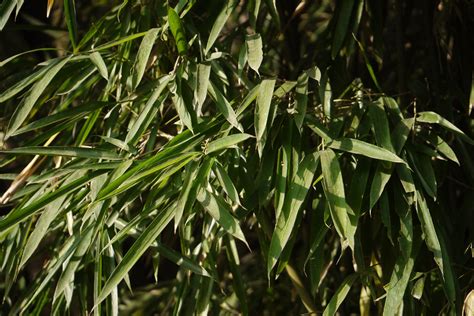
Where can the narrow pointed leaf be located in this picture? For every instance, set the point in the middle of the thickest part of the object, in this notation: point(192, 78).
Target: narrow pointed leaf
point(80, 152)
point(98, 61)
point(254, 51)
point(178, 31)
point(262, 111)
point(342, 215)
point(359, 147)
point(221, 212)
point(143, 55)
point(298, 189)
point(143, 242)
point(226, 142)
point(340, 295)
point(203, 73)
point(24, 109)
point(218, 25)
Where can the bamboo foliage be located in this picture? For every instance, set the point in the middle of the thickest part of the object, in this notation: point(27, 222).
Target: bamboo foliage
point(187, 164)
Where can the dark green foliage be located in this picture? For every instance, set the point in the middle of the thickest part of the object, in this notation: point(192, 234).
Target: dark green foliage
point(222, 157)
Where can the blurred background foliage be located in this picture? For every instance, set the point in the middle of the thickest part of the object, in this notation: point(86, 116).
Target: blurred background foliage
point(224, 157)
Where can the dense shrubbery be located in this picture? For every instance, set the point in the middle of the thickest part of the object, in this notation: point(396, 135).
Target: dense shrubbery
point(222, 157)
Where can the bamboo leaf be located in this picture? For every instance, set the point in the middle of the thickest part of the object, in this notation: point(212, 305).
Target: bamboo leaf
point(142, 243)
point(226, 142)
point(149, 110)
point(73, 114)
point(143, 55)
point(220, 211)
point(342, 215)
point(203, 73)
point(340, 295)
point(50, 213)
point(80, 152)
point(181, 261)
point(359, 147)
point(436, 246)
point(24, 109)
point(98, 61)
point(234, 263)
point(226, 183)
point(219, 23)
point(402, 270)
point(22, 84)
point(262, 112)
point(224, 106)
point(22, 213)
point(342, 26)
point(6, 9)
point(298, 189)
point(301, 99)
point(190, 175)
point(254, 51)
point(434, 118)
point(380, 125)
point(178, 31)
point(70, 16)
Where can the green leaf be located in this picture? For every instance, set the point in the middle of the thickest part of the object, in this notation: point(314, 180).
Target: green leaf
point(298, 189)
point(359, 147)
point(226, 142)
point(340, 295)
point(22, 84)
point(174, 164)
point(342, 215)
point(381, 177)
point(50, 213)
point(254, 51)
point(436, 245)
point(400, 134)
point(342, 26)
point(178, 31)
point(21, 113)
point(445, 149)
point(219, 23)
point(434, 118)
point(283, 174)
point(224, 106)
point(325, 94)
point(203, 73)
point(181, 260)
point(301, 99)
point(262, 112)
point(6, 9)
point(70, 16)
point(221, 212)
point(190, 175)
point(73, 114)
point(22, 213)
point(67, 277)
point(98, 61)
point(425, 172)
point(226, 183)
point(143, 55)
point(237, 281)
point(358, 185)
point(122, 40)
point(80, 152)
point(149, 110)
point(143, 242)
point(180, 106)
point(402, 270)
point(380, 125)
